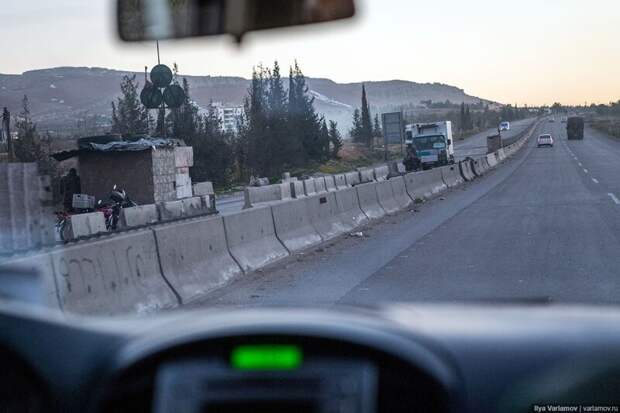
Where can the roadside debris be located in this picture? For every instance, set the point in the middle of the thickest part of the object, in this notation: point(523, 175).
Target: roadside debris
point(358, 234)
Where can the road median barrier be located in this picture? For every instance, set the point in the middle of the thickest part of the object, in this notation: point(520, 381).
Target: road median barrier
point(85, 225)
point(369, 202)
point(425, 185)
point(330, 183)
point(139, 216)
point(194, 256)
point(385, 195)
point(353, 178)
point(252, 240)
point(309, 187)
point(491, 160)
point(192, 206)
point(381, 172)
point(319, 185)
point(465, 169)
point(351, 215)
point(478, 166)
point(292, 225)
point(451, 175)
point(340, 181)
point(324, 216)
point(114, 275)
point(366, 175)
point(399, 189)
point(170, 210)
point(297, 189)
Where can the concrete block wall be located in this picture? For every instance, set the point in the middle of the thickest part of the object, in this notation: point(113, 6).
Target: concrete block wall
point(164, 175)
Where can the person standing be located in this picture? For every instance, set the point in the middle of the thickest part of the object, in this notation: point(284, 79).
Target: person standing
point(69, 185)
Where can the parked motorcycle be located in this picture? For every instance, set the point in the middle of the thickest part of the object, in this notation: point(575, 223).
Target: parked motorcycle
point(112, 210)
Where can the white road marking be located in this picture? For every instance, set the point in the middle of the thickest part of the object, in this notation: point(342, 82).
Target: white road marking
point(579, 163)
point(585, 170)
point(595, 180)
point(613, 197)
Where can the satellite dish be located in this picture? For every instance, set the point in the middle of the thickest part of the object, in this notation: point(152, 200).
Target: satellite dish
point(151, 97)
point(161, 76)
point(174, 96)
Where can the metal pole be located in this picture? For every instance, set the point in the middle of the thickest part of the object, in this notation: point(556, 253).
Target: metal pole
point(6, 124)
point(158, 62)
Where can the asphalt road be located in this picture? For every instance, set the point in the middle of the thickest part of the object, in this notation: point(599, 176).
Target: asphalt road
point(474, 145)
point(544, 227)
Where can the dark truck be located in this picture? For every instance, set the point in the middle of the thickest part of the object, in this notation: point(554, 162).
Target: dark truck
point(574, 128)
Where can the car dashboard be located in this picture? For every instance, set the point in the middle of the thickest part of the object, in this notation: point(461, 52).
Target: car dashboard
point(399, 358)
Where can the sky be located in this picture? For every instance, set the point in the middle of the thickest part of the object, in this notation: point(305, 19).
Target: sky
point(523, 52)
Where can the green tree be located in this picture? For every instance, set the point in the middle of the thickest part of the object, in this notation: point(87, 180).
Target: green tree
point(356, 129)
point(376, 129)
point(335, 139)
point(303, 119)
point(27, 147)
point(129, 117)
point(366, 131)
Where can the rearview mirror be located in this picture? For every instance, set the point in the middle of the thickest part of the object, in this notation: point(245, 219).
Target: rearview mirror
point(173, 19)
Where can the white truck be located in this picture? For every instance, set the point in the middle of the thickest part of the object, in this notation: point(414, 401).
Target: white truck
point(432, 143)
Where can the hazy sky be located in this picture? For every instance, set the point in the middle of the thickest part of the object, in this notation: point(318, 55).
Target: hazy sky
point(527, 51)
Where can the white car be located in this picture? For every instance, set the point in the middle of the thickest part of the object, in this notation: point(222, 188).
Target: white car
point(504, 126)
point(545, 140)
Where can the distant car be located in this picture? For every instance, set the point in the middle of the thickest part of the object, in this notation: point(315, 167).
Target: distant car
point(545, 140)
point(551, 120)
point(504, 126)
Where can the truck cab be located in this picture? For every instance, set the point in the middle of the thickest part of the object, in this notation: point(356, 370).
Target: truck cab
point(432, 143)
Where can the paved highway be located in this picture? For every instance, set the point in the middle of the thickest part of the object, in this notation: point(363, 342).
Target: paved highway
point(476, 145)
point(544, 227)
point(472, 146)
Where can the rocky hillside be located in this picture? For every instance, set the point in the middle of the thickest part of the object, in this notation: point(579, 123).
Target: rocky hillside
point(60, 97)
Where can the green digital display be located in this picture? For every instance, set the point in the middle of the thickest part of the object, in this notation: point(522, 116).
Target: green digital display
point(266, 357)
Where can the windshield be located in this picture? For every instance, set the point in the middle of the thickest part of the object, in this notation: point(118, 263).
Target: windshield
point(430, 142)
point(271, 168)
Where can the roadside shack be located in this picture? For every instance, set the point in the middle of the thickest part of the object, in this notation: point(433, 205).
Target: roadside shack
point(151, 170)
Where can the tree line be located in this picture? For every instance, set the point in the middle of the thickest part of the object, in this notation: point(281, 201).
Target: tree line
point(278, 131)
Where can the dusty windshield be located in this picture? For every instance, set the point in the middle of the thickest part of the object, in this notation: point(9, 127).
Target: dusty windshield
point(265, 168)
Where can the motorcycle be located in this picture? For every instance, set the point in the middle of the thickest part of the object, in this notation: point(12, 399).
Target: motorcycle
point(112, 210)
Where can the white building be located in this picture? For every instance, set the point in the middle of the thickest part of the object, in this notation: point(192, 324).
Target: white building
point(228, 115)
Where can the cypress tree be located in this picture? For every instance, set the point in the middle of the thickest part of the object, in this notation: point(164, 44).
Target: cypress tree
point(129, 116)
point(366, 132)
point(335, 139)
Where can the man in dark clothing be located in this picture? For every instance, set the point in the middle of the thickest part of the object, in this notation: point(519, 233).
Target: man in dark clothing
point(70, 184)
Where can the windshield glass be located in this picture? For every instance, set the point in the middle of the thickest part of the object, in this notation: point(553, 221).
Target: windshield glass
point(252, 169)
point(430, 142)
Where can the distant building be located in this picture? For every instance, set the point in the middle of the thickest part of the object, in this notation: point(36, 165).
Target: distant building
point(228, 115)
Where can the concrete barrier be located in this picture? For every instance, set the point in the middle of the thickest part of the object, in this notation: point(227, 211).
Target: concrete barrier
point(203, 188)
point(385, 195)
point(309, 187)
point(465, 169)
point(330, 183)
point(396, 168)
point(451, 176)
point(84, 225)
point(252, 240)
point(369, 203)
point(139, 215)
point(115, 275)
point(400, 192)
point(340, 181)
point(501, 155)
point(194, 256)
point(170, 210)
point(349, 210)
point(261, 194)
point(192, 206)
point(381, 172)
point(366, 175)
point(425, 184)
point(353, 178)
point(479, 166)
point(319, 185)
point(293, 226)
point(297, 189)
point(41, 264)
point(325, 216)
point(491, 160)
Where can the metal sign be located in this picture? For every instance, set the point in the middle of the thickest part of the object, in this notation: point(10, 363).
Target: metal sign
point(174, 96)
point(151, 97)
point(392, 127)
point(161, 76)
